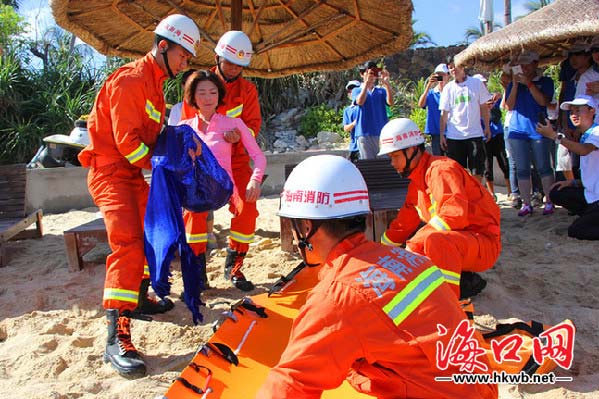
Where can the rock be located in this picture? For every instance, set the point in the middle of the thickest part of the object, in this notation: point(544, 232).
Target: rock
point(328, 137)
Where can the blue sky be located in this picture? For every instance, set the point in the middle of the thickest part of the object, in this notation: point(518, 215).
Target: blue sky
point(445, 21)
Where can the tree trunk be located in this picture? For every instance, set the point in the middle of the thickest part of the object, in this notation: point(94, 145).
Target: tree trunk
point(507, 7)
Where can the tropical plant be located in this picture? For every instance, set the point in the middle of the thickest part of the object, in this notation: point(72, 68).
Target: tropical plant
point(420, 39)
point(39, 101)
point(321, 118)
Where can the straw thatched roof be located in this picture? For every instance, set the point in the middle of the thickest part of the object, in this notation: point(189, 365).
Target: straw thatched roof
point(288, 36)
point(549, 31)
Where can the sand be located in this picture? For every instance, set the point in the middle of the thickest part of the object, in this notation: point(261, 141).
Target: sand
point(52, 328)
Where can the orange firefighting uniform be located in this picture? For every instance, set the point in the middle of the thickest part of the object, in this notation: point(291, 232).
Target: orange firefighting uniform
point(241, 101)
point(372, 319)
point(123, 128)
point(462, 219)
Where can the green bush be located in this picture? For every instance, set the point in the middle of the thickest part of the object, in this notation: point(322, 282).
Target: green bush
point(321, 118)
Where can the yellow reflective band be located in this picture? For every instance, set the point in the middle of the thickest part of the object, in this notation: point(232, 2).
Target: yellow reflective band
point(138, 153)
point(152, 112)
point(417, 290)
point(432, 210)
point(235, 112)
point(196, 238)
point(146, 270)
point(386, 241)
point(242, 238)
point(253, 133)
point(419, 212)
point(118, 294)
point(439, 224)
point(451, 277)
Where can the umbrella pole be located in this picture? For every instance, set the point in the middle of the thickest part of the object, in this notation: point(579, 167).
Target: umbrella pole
point(236, 11)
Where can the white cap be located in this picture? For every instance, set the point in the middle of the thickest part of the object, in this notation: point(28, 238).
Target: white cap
point(441, 68)
point(78, 137)
point(399, 134)
point(582, 99)
point(181, 30)
point(324, 187)
point(352, 83)
point(526, 57)
point(480, 77)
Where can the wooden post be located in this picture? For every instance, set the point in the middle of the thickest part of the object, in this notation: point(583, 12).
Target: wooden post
point(236, 14)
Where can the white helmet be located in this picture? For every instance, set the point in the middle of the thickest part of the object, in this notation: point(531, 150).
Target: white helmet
point(181, 30)
point(324, 187)
point(236, 47)
point(399, 134)
point(79, 137)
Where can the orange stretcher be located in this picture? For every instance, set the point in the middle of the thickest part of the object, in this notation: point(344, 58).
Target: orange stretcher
point(234, 363)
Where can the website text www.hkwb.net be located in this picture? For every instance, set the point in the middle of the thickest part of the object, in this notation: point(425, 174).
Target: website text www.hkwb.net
point(504, 378)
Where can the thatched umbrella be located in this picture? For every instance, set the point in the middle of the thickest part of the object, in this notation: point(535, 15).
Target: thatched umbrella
point(288, 36)
point(549, 31)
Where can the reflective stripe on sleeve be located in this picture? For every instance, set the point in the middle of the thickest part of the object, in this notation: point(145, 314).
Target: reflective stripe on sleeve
point(439, 224)
point(146, 271)
point(235, 112)
point(242, 238)
point(118, 294)
point(152, 112)
point(451, 277)
point(138, 153)
point(417, 290)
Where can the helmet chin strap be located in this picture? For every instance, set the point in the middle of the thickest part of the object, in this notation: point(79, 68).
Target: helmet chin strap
point(165, 59)
point(220, 71)
point(406, 170)
point(303, 242)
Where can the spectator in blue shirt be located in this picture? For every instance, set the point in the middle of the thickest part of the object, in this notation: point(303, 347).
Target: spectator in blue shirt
point(373, 101)
point(350, 117)
point(430, 101)
point(527, 96)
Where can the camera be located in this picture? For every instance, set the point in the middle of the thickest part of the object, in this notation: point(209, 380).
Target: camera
point(517, 69)
point(438, 78)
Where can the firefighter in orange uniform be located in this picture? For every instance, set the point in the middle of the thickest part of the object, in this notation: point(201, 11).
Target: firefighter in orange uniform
point(373, 316)
point(461, 234)
point(233, 53)
point(123, 126)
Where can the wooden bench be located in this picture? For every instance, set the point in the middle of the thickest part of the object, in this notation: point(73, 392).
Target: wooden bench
point(14, 220)
point(81, 239)
point(387, 192)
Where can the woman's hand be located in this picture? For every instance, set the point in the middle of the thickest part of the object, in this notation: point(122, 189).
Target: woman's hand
point(232, 136)
point(252, 192)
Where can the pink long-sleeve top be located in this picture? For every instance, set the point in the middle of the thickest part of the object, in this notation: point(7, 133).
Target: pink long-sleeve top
point(214, 137)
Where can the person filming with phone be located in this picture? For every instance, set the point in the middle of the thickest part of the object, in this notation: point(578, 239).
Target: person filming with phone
point(373, 101)
point(429, 100)
point(527, 96)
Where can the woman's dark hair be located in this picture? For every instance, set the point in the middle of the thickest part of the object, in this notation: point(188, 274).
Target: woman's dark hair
point(195, 79)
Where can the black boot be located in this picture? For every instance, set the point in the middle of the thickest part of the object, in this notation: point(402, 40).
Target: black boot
point(471, 284)
point(233, 273)
point(120, 351)
point(147, 305)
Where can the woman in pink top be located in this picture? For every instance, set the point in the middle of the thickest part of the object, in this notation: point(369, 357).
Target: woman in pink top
point(204, 92)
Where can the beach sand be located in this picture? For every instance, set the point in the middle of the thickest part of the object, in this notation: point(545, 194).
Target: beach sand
point(52, 328)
